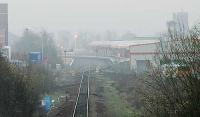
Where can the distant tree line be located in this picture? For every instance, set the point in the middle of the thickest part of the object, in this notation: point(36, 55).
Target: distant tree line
point(33, 42)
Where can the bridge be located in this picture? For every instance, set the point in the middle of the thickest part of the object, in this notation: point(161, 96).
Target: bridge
point(82, 61)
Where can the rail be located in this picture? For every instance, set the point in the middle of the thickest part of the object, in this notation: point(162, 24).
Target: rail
point(81, 107)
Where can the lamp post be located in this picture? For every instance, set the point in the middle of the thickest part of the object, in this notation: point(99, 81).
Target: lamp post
point(75, 42)
point(42, 39)
point(65, 57)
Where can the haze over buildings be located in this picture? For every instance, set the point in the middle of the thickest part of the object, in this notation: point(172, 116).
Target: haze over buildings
point(179, 23)
point(142, 17)
point(3, 25)
point(181, 20)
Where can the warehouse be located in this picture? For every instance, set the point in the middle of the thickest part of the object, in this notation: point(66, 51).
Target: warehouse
point(142, 55)
point(139, 53)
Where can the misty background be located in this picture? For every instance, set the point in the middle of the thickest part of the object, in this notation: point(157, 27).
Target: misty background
point(142, 17)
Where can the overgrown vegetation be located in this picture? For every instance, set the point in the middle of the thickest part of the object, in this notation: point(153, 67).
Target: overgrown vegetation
point(18, 94)
point(21, 92)
point(22, 87)
point(122, 67)
point(121, 101)
point(44, 78)
point(116, 105)
point(34, 42)
point(175, 93)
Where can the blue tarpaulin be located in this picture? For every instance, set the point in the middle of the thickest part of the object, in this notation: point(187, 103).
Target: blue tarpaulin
point(48, 103)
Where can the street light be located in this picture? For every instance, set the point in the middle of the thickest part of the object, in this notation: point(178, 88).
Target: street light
point(65, 51)
point(75, 41)
point(42, 39)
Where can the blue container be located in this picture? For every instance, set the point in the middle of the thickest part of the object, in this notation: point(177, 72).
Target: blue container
point(35, 57)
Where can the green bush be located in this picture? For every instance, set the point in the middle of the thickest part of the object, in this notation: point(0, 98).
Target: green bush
point(18, 95)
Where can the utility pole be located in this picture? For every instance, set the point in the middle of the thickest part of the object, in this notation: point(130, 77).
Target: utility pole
point(42, 39)
point(65, 61)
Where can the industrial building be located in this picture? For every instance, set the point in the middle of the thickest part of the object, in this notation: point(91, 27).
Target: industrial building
point(139, 53)
point(142, 55)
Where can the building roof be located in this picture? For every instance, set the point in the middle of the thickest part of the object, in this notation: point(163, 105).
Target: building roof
point(120, 44)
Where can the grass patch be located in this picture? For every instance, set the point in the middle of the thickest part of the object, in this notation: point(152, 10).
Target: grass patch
point(115, 105)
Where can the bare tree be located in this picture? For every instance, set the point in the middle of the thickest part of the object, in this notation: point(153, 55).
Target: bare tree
point(175, 90)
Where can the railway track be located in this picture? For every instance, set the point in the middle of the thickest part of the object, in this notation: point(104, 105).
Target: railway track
point(81, 108)
point(78, 104)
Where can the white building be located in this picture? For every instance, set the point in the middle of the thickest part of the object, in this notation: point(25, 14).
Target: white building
point(142, 55)
point(6, 52)
point(179, 24)
point(181, 19)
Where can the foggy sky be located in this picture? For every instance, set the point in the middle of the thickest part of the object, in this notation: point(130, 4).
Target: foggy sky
point(144, 17)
